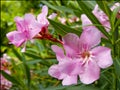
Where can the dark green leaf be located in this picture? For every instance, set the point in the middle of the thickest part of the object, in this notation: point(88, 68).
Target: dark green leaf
point(49, 5)
point(27, 70)
point(113, 16)
point(17, 54)
point(117, 66)
point(28, 74)
point(63, 29)
point(35, 56)
point(10, 78)
point(64, 9)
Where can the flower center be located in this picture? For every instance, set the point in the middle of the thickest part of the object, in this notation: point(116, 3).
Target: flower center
point(85, 54)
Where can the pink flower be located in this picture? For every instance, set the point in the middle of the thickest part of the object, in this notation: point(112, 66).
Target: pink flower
point(27, 29)
point(82, 57)
point(5, 84)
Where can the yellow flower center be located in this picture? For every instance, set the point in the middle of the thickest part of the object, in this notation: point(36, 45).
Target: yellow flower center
point(85, 54)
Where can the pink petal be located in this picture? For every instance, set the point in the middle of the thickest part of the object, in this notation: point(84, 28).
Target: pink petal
point(69, 80)
point(89, 39)
point(91, 73)
point(34, 29)
point(29, 18)
point(41, 18)
point(45, 10)
point(103, 56)
point(70, 67)
point(16, 38)
point(71, 42)
point(53, 15)
point(86, 22)
point(54, 72)
point(20, 24)
point(59, 52)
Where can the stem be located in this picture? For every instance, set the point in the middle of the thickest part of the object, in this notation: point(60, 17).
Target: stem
point(115, 54)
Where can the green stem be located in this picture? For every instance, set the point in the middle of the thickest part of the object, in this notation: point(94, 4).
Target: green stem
point(115, 54)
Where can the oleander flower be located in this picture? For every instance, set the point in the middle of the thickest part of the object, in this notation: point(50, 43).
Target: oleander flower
point(81, 57)
point(27, 29)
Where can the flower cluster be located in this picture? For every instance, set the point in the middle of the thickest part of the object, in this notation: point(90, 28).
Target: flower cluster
point(80, 56)
point(29, 28)
point(5, 84)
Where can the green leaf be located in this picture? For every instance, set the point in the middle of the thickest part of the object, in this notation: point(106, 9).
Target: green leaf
point(117, 24)
point(17, 54)
point(64, 9)
point(35, 56)
point(91, 4)
point(10, 78)
point(103, 5)
point(49, 5)
point(113, 16)
point(63, 29)
point(80, 87)
point(93, 19)
point(117, 66)
point(27, 70)
point(28, 74)
point(33, 61)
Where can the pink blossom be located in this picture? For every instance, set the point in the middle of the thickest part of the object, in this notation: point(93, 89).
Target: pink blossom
point(82, 57)
point(27, 29)
point(5, 84)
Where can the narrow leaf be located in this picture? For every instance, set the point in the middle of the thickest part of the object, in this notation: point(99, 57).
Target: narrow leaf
point(63, 29)
point(17, 54)
point(27, 70)
point(9, 77)
point(32, 55)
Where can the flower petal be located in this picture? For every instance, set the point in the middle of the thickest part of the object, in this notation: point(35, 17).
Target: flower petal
point(16, 38)
point(34, 29)
point(53, 15)
point(91, 73)
point(71, 42)
point(103, 56)
point(54, 72)
point(45, 10)
point(20, 24)
point(29, 18)
point(89, 39)
point(59, 52)
point(42, 19)
point(85, 22)
point(69, 80)
point(70, 67)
